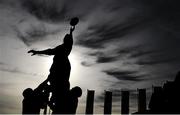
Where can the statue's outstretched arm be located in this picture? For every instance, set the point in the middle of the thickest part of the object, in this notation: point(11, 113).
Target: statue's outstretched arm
point(45, 52)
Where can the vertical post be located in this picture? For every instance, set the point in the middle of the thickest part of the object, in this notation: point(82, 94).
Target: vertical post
point(125, 102)
point(90, 102)
point(141, 100)
point(108, 102)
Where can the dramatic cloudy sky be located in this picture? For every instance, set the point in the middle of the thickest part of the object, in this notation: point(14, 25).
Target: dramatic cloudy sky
point(118, 45)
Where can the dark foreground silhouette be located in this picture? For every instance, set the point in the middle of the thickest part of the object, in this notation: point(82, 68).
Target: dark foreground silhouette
point(36, 99)
point(63, 100)
point(166, 99)
point(71, 102)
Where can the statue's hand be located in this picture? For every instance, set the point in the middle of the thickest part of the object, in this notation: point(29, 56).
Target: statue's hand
point(33, 52)
point(72, 29)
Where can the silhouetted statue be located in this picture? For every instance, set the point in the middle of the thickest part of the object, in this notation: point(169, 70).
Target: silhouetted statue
point(60, 69)
point(36, 99)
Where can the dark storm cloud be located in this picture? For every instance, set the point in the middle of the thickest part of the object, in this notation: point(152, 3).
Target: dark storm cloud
point(97, 53)
point(101, 33)
point(33, 34)
point(58, 10)
point(124, 75)
point(158, 61)
point(161, 16)
point(86, 64)
point(133, 51)
point(96, 36)
point(128, 50)
point(45, 9)
point(101, 57)
point(158, 56)
point(89, 42)
point(140, 53)
point(106, 59)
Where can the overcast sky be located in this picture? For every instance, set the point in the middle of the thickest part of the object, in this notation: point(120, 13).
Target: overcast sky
point(118, 44)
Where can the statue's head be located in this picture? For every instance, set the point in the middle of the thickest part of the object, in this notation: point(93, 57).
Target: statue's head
point(27, 93)
point(76, 91)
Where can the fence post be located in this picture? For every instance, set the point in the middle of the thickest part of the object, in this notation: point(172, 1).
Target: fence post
point(125, 102)
point(90, 102)
point(108, 102)
point(141, 100)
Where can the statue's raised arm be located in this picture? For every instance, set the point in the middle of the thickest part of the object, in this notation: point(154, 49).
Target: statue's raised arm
point(68, 42)
point(73, 23)
point(68, 39)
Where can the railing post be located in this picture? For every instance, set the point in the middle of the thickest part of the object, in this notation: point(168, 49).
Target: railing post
point(141, 100)
point(90, 101)
point(125, 102)
point(108, 102)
